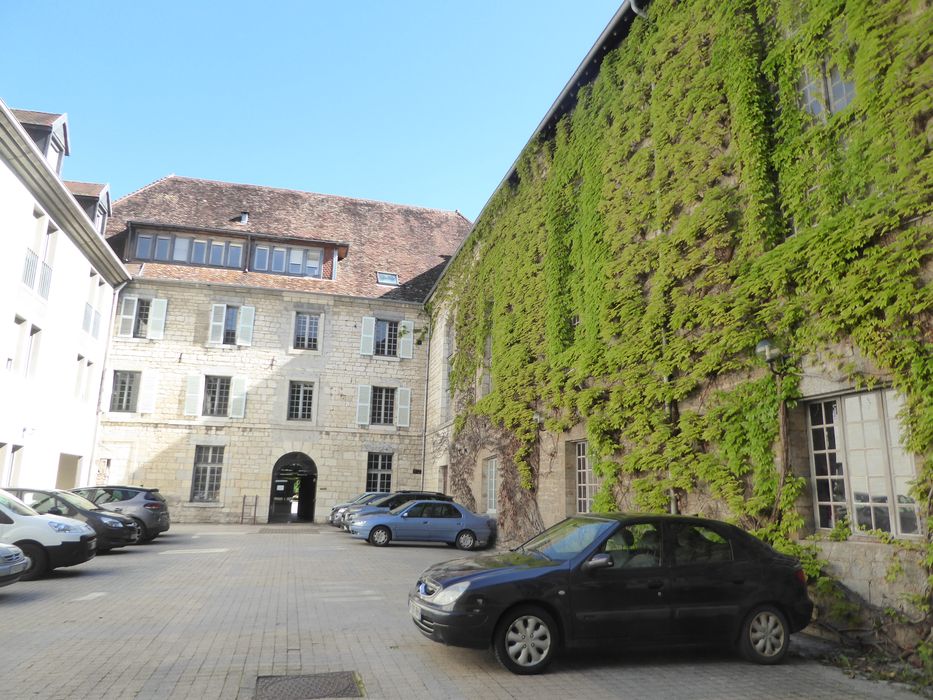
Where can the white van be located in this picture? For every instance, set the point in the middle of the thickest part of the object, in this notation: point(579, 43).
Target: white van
point(48, 541)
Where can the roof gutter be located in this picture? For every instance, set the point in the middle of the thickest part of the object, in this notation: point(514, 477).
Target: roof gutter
point(22, 156)
point(612, 36)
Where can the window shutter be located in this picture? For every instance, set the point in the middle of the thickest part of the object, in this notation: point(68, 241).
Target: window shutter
point(107, 394)
point(218, 312)
point(194, 391)
point(368, 336)
point(244, 326)
point(402, 407)
point(238, 397)
point(406, 338)
point(156, 319)
point(127, 317)
point(363, 401)
point(149, 381)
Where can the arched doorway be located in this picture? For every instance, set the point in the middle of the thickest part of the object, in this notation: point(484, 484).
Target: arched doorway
point(294, 475)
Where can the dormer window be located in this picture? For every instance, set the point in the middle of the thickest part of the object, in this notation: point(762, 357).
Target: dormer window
point(387, 278)
point(288, 260)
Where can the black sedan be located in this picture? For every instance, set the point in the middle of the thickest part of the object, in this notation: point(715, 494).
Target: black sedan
point(629, 580)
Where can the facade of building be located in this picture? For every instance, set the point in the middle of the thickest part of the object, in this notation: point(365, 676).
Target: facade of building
point(56, 297)
point(269, 356)
point(711, 177)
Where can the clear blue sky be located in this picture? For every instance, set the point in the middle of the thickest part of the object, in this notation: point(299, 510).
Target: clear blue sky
point(417, 102)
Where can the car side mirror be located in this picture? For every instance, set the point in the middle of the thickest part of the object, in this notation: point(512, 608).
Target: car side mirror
point(55, 510)
point(405, 514)
point(598, 561)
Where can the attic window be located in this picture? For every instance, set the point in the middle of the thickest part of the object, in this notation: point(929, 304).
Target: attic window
point(390, 278)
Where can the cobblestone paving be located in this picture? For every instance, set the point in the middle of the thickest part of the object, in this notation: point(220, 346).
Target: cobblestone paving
point(205, 609)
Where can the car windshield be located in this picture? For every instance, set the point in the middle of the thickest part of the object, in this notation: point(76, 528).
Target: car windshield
point(568, 538)
point(14, 505)
point(78, 501)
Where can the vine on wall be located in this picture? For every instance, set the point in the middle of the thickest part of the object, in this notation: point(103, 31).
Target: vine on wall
point(687, 208)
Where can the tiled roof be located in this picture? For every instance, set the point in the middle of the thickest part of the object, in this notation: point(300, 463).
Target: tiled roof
point(85, 189)
point(26, 116)
point(412, 241)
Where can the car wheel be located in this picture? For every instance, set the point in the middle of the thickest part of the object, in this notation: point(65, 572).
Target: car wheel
point(380, 536)
point(765, 635)
point(525, 640)
point(466, 540)
point(144, 535)
point(38, 561)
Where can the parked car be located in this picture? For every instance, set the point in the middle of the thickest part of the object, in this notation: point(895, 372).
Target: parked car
point(47, 541)
point(387, 502)
point(13, 564)
point(113, 529)
point(336, 513)
point(426, 521)
point(641, 580)
point(144, 505)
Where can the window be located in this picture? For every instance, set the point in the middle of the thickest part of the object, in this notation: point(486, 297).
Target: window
point(162, 247)
point(182, 249)
point(211, 395)
point(861, 474)
point(825, 88)
point(205, 481)
point(389, 278)
point(382, 410)
point(379, 405)
point(216, 396)
point(125, 391)
point(261, 258)
point(300, 396)
point(199, 252)
point(586, 480)
point(278, 259)
point(385, 338)
point(144, 247)
point(234, 255)
point(379, 472)
point(232, 325)
point(141, 318)
point(696, 545)
point(306, 331)
point(217, 253)
point(490, 470)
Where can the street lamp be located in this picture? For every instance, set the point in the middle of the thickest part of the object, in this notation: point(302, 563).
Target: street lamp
point(769, 352)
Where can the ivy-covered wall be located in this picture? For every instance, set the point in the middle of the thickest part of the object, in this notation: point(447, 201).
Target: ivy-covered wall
point(687, 208)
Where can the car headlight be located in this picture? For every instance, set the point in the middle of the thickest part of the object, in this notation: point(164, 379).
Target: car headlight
point(446, 596)
point(111, 522)
point(66, 527)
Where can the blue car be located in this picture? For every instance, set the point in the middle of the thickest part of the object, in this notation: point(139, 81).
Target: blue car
point(426, 521)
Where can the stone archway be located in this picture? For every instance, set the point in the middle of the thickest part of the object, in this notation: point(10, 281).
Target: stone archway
point(294, 475)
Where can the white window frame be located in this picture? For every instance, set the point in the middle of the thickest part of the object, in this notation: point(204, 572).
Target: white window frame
point(586, 482)
point(246, 318)
point(880, 470)
point(490, 484)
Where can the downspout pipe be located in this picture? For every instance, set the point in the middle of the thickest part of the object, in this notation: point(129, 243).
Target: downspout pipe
point(424, 417)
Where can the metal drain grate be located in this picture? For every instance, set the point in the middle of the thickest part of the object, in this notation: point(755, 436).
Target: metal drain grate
point(341, 684)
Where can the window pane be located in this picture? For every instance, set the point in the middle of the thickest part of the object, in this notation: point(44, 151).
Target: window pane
point(300, 395)
point(295, 261)
point(216, 396)
point(163, 245)
point(386, 339)
point(199, 252)
point(313, 262)
point(144, 247)
point(261, 259)
point(217, 253)
point(182, 247)
point(230, 324)
point(306, 326)
point(278, 259)
point(234, 255)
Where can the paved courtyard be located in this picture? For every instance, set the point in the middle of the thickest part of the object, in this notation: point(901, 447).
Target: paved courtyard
point(205, 609)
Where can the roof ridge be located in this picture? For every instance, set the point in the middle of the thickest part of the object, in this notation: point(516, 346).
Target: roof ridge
point(145, 187)
point(319, 194)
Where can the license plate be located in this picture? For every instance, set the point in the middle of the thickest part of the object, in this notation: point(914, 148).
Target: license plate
point(414, 610)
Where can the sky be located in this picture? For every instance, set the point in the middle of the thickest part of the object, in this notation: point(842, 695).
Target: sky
point(425, 103)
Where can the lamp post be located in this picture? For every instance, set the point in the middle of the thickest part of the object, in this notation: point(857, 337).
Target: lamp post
point(773, 356)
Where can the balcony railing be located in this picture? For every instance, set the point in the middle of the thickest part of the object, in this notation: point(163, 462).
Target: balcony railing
point(29, 268)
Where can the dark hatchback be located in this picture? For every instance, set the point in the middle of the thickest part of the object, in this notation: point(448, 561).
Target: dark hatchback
point(626, 580)
point(113, 530)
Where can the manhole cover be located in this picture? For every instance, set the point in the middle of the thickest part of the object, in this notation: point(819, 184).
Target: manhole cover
point(341, 684)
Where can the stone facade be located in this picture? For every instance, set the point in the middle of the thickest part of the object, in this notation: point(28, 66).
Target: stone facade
point(158, 448)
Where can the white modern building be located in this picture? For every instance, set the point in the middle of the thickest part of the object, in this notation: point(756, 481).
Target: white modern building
point(58, 282)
